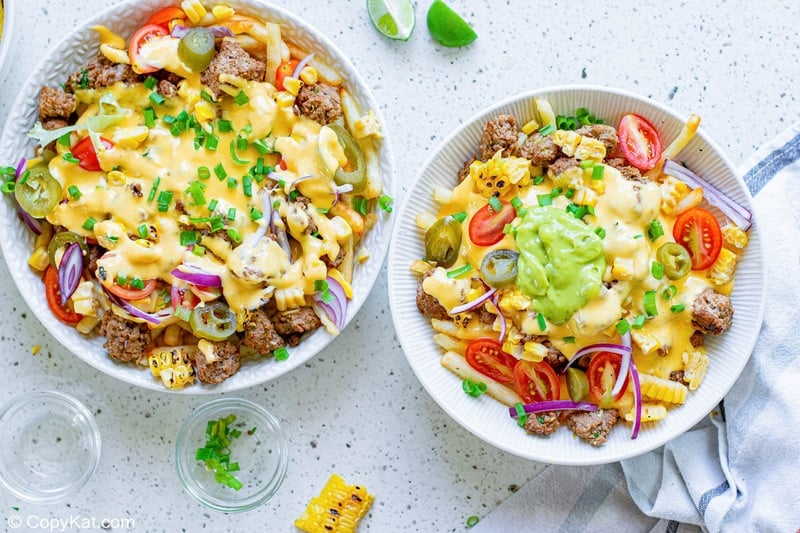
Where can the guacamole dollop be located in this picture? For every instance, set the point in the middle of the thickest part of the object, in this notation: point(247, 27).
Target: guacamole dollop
point(561, 262)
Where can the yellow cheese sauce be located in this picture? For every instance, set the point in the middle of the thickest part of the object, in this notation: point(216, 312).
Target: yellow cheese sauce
point(631, 218)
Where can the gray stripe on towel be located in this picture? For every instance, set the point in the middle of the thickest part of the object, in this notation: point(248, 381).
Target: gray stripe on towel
point(597, 490)
point(759, 175)
point(710, 494)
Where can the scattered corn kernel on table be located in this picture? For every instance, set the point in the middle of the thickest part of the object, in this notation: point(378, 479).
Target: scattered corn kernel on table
point(357, 409)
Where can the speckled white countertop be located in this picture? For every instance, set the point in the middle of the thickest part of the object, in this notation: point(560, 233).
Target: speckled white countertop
point(357, 409)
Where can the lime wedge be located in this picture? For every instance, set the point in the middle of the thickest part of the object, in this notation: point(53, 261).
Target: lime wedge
point(393, 18)
point(447, 27)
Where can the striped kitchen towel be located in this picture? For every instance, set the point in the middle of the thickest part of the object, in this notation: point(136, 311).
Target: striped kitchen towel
point(737, 473)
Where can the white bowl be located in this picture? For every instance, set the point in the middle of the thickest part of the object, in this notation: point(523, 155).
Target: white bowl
point(9, 8)
point(17, 241)
point(488, 419)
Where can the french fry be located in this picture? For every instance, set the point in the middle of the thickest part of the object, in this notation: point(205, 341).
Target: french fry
point(350, 109)
point(456, 364)
point(352, 217)
point(546, 115)
point(473, 332)
point(251, 45)
point(346, 267)
point(680, 142)
point(274, 49)
point(374, 186)
point(450, 344)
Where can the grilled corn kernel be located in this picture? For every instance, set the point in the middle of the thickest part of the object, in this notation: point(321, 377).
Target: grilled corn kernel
point(514, 301)
point(418, 266)
point(647, 343)
point(567, 140)
point(205, 111)
point(115, 55)
point(309, 75)
point(662, 389)
point(83, 299)
point(672, 192)
point(598, 186)
point(724, 267)
point(622, 268)
point(695, 363)
point(222, 12)
point(109, 37)
point(284, 99)
point(367, 125)
point(194, 10)
point(172, 365)
point(590, 148)
point(87, 324)
point(534, 351)
point(130, 138)
point(337, 509)
point(585, 196)
point(292, 85)
point(734, 238)
point(39, 259)
point(529, 127)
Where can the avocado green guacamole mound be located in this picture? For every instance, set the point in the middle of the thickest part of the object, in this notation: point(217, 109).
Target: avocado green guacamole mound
point(561, 262)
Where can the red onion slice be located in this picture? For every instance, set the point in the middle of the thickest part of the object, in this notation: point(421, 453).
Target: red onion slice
point(469, 306)
point(338, 190)
point(69, 271)
point(601, 347)
point(154, 318)
point(553, 405)
point(502, 317)
point(20, 167)
point(280, 234)
point(624, 365)
point(34, 224)
point(196, 276)
point(740, 215)
point(637, 400)
point(301, 65)
point(337, 309)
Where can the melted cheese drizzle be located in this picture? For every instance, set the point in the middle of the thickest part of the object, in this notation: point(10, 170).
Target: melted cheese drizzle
point(251, 271)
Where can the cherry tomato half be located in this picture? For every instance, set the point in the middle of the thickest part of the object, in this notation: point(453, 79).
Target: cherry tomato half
point(285, 70)
point(84, 151)
point(486, 226)
point(164, 16)
point(639, 141)
point(142, 35)
point(698, 231)
point(487, 357)
point(63, 313)
point(536, 381)
point(602, 374)
point(129, 293)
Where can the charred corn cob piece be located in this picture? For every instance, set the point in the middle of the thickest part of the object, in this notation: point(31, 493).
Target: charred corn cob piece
point(662, 389)
point(172, 365)
point(337, 509)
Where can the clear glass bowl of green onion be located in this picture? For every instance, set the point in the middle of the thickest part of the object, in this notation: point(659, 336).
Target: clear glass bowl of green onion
point(231, 455)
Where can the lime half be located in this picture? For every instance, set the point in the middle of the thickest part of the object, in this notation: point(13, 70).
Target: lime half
point(393, 18)
point(447, 27)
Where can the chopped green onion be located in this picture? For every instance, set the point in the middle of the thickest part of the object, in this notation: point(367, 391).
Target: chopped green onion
point(541, 322)
point(212, 204)
point(149, 117)
point(220, 172)
point(508, 229)
point(142, 231)
point(262, 147)
point(212, 141)
point(235, 157)
point(657, 269)
point(556, 191)
point(157, 99)
point(241, 98)
point(232, 182)
point(217, 223)
point(247, 186)
point(623, 327)
point(233, 233)
point(74, 192)
point(473, 388)
point(153, 189)
point(281, 354)
point(150, 82)
point(669, 292)
point(569, 340)
point(68, 157)
point(537, 180)
point(137, 283)
point(639, 236)
point(89, 223)
point(198, 250)
point(544, 200)
point(231, 213)
point(169, 119)
point(461, 217)
point(121, 280)
point(183, 313)
point(360, 205)
point(460, 271)
point(188, 237)
point(205, 95)
point(496, 204)
point(241, 143)
point(598, 171)
point(516, 203)
point(224, 126)
point(547, 130)
point(203, 173)
point(655, 230)
point(385, 203)
point(638, 322)
point(522, 417)
point(587, 163)
point(472, 520)
point(677, 308)
point(8, 186)
point(650, 303)
point(570, 193)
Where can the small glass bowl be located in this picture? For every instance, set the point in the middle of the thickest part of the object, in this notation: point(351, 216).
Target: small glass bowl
point(49, 446)
point(263, 456)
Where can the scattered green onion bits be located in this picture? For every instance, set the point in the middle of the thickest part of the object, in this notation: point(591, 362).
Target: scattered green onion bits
point(216, 454)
